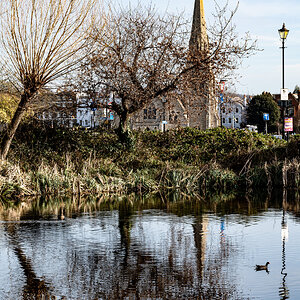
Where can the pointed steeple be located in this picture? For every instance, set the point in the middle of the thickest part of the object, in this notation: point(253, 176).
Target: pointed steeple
point(199, 39)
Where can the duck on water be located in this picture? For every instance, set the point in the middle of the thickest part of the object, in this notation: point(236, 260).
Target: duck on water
point(262, 267)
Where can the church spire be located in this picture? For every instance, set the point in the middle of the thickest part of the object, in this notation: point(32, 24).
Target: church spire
point(198, 40)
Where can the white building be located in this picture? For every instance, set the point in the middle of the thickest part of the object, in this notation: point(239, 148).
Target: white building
point(90, 114)
point(85, 114)
point(233, 112)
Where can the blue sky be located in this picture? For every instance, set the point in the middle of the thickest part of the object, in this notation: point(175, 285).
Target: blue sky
point(262, 19)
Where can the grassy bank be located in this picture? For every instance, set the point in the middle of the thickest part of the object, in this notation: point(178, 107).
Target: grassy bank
point(46, 161)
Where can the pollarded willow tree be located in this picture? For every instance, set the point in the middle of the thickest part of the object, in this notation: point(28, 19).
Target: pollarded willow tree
point(149, 57)
point(41, 41)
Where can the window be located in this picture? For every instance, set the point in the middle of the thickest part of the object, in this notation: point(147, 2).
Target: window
point(86, 122)
point(172, 116)
point(150, 113)
point(223, 120)
point(237, 109)
point(154, 113)
point(223, 110)
point(229, 120)
point(237, 120)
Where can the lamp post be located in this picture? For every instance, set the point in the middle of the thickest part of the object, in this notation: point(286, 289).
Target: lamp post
point(283, 33)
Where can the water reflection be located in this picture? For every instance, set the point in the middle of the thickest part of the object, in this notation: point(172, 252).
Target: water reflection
point(283, 290)
point(125, 224)
point(112, 248)
point(34, 288)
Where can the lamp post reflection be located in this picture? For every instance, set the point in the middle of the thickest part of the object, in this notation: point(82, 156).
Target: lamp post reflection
point(283, 290)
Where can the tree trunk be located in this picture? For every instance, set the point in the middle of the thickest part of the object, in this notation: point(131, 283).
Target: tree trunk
point(123, 122)
point(123, 130)
point(12, 128)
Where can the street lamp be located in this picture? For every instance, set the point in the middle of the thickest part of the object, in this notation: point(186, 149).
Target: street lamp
point(283, 33)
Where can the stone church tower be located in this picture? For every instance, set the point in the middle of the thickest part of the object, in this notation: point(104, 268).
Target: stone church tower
point(199, 39)
point(203, 108)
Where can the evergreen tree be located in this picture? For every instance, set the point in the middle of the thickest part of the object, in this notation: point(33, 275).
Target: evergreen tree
point(259, 105)
point(296, 89)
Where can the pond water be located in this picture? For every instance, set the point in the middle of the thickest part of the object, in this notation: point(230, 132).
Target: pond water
point(151, 249)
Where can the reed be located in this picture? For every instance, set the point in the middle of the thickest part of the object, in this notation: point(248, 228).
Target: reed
point(291, 173)
point(186, 161)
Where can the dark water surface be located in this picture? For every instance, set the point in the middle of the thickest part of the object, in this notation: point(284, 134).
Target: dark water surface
point(151, 249)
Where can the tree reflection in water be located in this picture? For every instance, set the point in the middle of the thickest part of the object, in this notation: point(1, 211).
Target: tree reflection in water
point(144, 275)
point(34, 288)
point(121, 258)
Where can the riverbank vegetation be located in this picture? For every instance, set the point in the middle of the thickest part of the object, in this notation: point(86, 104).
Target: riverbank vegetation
point(60, 207)
point(57, 161)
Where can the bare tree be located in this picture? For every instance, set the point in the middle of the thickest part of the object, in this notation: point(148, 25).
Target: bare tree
point(42, 40)
point(149, 57)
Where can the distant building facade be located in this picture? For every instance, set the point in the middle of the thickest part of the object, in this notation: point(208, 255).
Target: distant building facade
point(161, 115)
point(233, 112)
point(86, 112)
point(68, 109)
point(58, 109)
